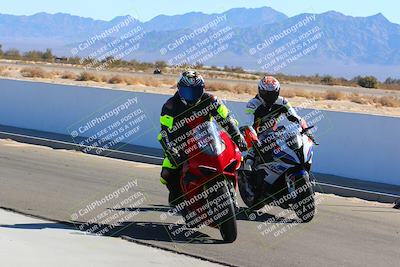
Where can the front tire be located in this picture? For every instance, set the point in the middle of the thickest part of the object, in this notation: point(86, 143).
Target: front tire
point(254, 205)
point(227, 222)
point(304, 202)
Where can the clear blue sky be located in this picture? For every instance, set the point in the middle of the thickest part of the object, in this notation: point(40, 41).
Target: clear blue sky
point(147, 9)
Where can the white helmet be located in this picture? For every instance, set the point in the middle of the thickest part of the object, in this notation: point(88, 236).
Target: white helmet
point(268, 89)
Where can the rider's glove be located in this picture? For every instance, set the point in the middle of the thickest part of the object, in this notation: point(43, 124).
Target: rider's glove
point(240, 142)
point(311, 136)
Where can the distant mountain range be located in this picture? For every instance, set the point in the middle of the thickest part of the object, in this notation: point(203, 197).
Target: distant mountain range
point(330, 43)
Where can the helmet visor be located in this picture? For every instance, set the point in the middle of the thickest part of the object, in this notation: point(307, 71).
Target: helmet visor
point(269, 97)
point(191, 94)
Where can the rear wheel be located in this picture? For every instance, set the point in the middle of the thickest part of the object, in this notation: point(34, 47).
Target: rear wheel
point(304, 204)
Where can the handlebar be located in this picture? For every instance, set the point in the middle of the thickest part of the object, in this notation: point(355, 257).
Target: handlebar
point(309, 135)
point(307, 129)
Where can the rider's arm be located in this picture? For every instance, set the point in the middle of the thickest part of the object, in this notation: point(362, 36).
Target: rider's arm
point(165, 136)
point(250, 111)
point(249, 118)
point(292, 115)
point(223, 117)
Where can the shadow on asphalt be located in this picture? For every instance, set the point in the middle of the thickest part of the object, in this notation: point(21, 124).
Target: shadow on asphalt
point(242, 215)
point(246, 215)
point(149, 231)
point(143, 231)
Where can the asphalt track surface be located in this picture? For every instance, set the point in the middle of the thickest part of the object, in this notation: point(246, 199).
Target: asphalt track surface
point(60, 185)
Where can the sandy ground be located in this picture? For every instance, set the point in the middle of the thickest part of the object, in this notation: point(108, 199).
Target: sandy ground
point(26, 241)
point(13, 72)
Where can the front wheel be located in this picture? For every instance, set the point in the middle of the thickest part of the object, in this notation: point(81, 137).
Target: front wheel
point(255, 204)
point(228, 229)
point(304, 204)
point(225, 217)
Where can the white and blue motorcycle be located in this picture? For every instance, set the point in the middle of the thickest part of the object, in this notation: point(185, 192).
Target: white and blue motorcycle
point(280, 172)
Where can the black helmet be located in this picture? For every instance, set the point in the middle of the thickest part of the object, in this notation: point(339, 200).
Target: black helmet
point(268, 89)
point(190, 87)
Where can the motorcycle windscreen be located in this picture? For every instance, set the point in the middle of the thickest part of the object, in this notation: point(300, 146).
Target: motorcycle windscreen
point(208, 139)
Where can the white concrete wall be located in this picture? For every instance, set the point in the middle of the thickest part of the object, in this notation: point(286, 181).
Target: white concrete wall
point(352, 145)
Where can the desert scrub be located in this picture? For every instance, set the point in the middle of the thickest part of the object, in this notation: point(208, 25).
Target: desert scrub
point(35, 72)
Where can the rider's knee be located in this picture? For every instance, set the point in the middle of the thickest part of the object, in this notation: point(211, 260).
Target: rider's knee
point(166, 173)
point(169, 177)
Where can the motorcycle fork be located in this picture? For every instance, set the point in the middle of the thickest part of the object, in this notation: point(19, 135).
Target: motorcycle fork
point(260, 187)
point(291, 179)
point(231, 188)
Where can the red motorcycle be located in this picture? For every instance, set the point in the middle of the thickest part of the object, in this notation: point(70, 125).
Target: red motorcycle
point(209, 181)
